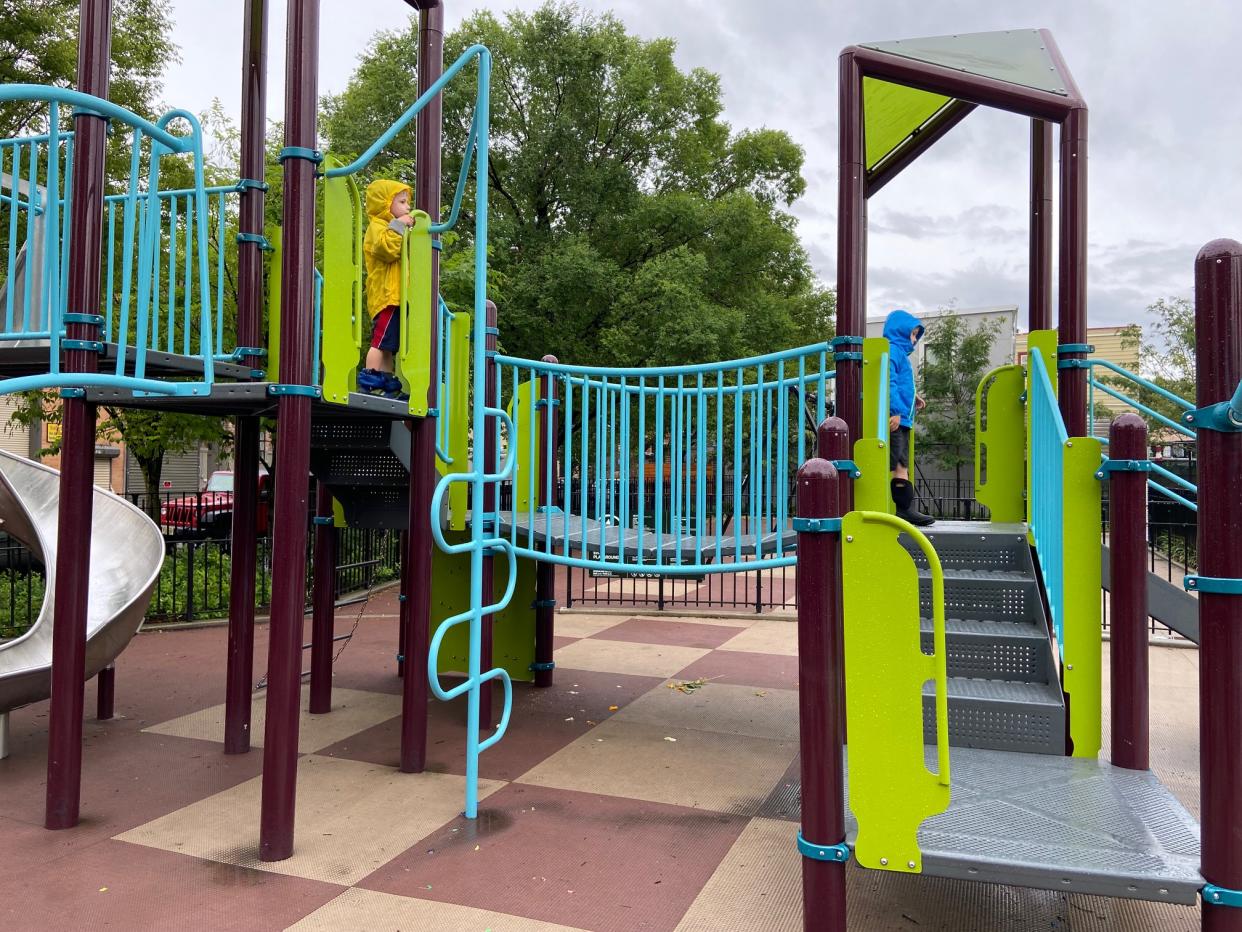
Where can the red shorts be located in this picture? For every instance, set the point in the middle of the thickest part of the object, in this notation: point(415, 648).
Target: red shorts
point(386, 330)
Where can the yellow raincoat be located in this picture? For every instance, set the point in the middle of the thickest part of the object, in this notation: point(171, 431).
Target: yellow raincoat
point(381, 247)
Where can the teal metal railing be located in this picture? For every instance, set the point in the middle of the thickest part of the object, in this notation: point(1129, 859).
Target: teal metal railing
point(1047, 492)
point(677, 470)
point(160, 282)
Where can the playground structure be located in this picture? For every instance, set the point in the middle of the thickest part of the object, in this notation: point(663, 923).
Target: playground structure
point(989, 663)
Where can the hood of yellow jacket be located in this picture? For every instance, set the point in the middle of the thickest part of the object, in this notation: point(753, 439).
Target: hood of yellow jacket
point(379, 198)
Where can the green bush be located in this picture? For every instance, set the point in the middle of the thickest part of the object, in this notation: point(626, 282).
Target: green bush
point(21, 597)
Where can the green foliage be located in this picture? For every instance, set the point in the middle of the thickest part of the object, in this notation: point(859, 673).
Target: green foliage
point(1166, 357)
point(201, 572)
point(21, 597)
point(628, 223)
point(957, 357)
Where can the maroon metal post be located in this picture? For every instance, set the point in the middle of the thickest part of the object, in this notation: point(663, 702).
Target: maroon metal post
point(73, 557)
point(423, 438)
point(1039, 302)
point(820, 663)
point(239, 675)
point(105, 693)
point(284, 669)
point(324, 602)
point(492, 392)
point(545, 573)
point(403, 603)
point(1072, 295)
point(1127, 547)
point(1218, 337)
point(851, 243)
point(833, 441)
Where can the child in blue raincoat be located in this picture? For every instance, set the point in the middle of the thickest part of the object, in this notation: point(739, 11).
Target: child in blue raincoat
point(903, 331)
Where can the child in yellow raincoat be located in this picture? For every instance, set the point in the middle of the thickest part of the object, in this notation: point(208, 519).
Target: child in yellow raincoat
point(388, 206)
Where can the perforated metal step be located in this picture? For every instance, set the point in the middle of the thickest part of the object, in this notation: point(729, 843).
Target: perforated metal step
point(1000, 650)
point(1000, 715)
point(350, 434)
point(991, 596)
point(976, 545)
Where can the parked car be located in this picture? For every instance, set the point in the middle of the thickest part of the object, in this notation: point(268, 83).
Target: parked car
point(210, 513)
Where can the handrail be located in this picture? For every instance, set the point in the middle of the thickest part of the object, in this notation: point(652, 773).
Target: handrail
point(98, 106)
point(882, 404)
point(1139, 380)
point(560, 368)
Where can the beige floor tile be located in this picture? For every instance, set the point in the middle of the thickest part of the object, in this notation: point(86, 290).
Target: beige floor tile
point(723, 621)
point(698, 769)
point(345, 826)
point(604, 656)
point(352, 711)
point(719, 707)
point(758, 885)
point(584, 625)
point(387, 912)
point(766, 637)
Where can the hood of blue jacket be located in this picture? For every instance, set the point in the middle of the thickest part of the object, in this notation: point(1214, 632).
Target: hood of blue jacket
point(897, 329)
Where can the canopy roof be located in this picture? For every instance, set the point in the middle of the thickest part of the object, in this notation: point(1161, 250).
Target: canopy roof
point(894, 113)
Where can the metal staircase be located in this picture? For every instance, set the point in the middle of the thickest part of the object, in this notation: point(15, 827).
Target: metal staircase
point(365, 461)
point(1004, 691)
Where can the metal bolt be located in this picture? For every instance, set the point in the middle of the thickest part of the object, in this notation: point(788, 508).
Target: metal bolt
point(1069, 443)
point(910, 864)
point(1215, 896)
point(849, 538)
point(1069, 666)
point(884, 862)
point(1164, 891)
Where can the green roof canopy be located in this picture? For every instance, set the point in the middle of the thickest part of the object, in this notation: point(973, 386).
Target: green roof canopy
point(893, 112)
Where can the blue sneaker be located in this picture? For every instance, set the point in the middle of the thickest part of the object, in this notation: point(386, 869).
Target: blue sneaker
point(393, 388)
point(373, 382)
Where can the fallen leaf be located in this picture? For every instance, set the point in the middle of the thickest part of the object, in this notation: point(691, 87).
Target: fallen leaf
point(476, 847)
point(760, 693)
point(688, 686)
point(103, 889)
point(613, 708)
point(667, 738)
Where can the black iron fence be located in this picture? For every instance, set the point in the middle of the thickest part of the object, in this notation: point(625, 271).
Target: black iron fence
point(194, 582)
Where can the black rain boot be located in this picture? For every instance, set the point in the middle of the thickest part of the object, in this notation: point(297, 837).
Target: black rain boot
point(903, 498)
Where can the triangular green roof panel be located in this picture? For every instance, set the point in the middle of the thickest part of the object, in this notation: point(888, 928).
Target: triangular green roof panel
point(891, 113)
point(1016, 56)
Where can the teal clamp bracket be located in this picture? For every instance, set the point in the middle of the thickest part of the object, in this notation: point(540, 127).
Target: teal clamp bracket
point(549, 510)
point(838, 854)
point(400, 658)
point(1213, 585)
point(90, 346)
point(437, 245)
point(544, 402)
point(258, 374)
point(1074, 363)
point(539, 667)
point(73, 393)
point(543, 603)
point(249, 184)
point(324, 520)
point(300, 152)
point(817, 525)
point(839, 355)
point(1110, 466)
point(849, 467)
point(96, 320)
point(258, 238)
point(1075, 348)
point(309, 391)
point(401, 597)
point(1224, 417)
point(243, 352)
point(1221, 896)
point(433, 412)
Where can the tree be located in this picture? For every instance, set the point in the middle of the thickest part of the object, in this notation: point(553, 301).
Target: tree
point(957, 357)
point(628, 223)
point(1166, 357)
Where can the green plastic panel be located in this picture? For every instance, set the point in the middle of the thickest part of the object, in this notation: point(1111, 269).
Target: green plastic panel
point(1015, 56)
point(341, 343)
point(273, 304)
point(1000, 443)
point(871, 489)
point(414, 354)
point(1046, 342)
point(455, 401)
point(513, 629)
point(1081, 531)
point(526, 425)
point(891, 112)
point(891, 790)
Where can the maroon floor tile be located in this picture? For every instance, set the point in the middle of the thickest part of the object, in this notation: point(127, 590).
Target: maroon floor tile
point(560, 640)
point(543, 721)
point(767, 671)
point(785, 800)
point(594, 862)
point(674, 633)
point(114, 885)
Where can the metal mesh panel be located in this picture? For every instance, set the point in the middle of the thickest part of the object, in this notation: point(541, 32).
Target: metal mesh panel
point(993, 596)
point(358, 433)
point(355, 468)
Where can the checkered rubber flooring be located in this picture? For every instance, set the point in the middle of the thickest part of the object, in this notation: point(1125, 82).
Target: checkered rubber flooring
point(654, 787)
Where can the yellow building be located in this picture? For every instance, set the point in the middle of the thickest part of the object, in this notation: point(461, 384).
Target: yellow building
point(1108, 345)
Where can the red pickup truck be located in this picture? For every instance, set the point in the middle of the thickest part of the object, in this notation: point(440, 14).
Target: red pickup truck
point(210, 512)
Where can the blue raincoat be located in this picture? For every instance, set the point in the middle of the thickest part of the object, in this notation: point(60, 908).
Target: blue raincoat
point(897, 329)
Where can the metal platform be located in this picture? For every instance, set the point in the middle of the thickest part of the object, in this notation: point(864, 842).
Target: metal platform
point(1061, 823)
point(602, 541)
point(230, 399)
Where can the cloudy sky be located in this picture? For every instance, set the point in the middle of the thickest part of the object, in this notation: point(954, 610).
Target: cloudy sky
point(1161, 79)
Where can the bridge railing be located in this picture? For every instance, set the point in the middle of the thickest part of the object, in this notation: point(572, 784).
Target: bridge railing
point(697, 434)
point(158, 273)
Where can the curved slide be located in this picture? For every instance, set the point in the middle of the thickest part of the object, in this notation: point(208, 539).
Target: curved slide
point(127, 551)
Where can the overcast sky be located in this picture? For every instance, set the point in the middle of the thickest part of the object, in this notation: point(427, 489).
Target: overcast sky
point(1161, 79)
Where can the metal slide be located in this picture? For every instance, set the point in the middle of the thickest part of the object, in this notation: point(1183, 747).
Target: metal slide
point(127, 551)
